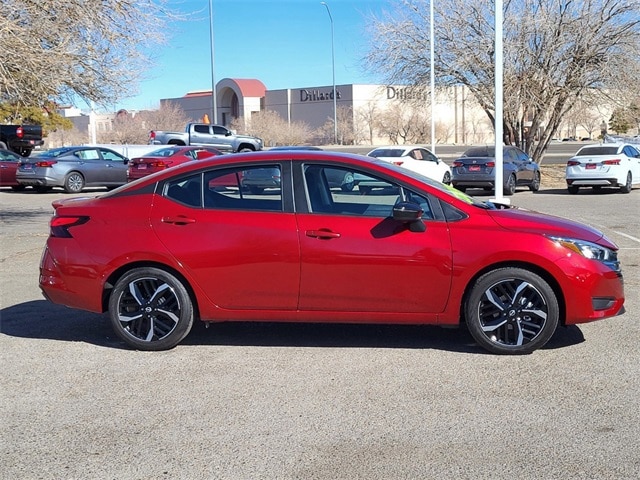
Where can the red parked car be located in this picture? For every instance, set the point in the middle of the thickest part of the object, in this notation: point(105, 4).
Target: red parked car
point(202, 248)
point(9, 162)
point(165, 158)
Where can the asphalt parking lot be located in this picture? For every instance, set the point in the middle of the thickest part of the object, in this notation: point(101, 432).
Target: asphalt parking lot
point(251, 401)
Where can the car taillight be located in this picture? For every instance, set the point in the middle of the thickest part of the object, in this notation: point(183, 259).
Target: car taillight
point(490, 164)
point(160, 165)
point(572, 163)
point(19, 132)
point(46, 163)
point(398, 162)
point(615, 161)
point(457, 164)
point(59, 226)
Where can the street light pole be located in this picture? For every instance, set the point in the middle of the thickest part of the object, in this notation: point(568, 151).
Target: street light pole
point(214, 109)
point(333, 69)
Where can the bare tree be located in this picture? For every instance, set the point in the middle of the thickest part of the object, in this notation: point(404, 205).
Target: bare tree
point(554, 52)
point(65, 50)
point(273, 129)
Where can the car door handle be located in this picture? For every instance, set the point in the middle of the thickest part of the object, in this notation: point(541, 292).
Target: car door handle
point(179, 220)
point(322, 234)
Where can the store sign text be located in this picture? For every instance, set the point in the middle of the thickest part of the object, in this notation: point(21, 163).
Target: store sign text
point(317, 95)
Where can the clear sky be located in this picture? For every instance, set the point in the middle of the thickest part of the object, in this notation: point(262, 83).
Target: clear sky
point(283, 43)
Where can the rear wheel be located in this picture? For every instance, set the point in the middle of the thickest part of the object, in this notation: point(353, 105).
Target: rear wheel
point(18, 188)
point(512, 311)
point(626, 188)
point(573, 189)
point(510, 187)
point(74, 183)
point(42, 189)
point(150, 309)
point(447, 178)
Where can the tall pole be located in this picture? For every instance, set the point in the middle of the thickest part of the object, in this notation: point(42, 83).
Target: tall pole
point(432, 76)
point(333, 69)
point(214, 108)
point(499, 96)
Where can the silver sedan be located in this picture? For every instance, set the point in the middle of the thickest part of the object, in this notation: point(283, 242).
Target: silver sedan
point(74, 168)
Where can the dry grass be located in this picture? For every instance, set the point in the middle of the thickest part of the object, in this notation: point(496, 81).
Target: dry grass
point(553, 176)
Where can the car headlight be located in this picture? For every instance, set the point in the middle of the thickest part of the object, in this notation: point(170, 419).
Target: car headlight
point(590, 250)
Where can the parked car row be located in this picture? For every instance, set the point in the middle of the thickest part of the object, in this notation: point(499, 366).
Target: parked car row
point(75, 168)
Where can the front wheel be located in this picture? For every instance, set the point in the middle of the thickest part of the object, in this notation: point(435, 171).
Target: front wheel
point(150, 309)
point(447, 178)
point(626, 188)
point(74, 183)
point(512, 311)
point(573, 189)
point(535, 184)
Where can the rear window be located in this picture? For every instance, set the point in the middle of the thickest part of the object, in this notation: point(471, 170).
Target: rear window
point(386, 152)
point(480, 152)
point(598, 150)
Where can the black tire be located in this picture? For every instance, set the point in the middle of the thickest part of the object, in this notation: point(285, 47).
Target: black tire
point(447, 178)
point(626, 188)
point(18, 188)
point(510, 187)
point(74, 182)
point(3, 146)
point(535, 184)
point(462, 189)
point(42, 189)
point(573, 189)
point(245, 150)
point(512, 311)
point(150, 309)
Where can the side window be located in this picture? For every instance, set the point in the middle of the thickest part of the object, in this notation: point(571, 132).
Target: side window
point(201, 128)
point(112, 156)
point(255, 188)
point(88, 154)
point(417, 154)
point(365, 195)
point(187, 191)
point(219, 130)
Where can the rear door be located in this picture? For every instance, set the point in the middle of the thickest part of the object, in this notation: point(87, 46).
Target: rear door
point(9, 162)
point(240, 249)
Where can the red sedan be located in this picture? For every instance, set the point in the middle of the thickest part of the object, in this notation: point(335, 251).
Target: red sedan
point(410, 251)
point(165, 158)
point(9, 162)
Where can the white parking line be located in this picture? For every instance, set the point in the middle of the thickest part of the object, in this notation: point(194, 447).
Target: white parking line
point(628, 236)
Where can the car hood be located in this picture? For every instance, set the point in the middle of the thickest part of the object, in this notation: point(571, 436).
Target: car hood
point(527, 220)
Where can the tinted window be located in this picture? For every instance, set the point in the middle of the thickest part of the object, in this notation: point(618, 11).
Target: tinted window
point(387, 152)
point(185, 190)
point(599, 150)
point(480, 152)
point(256, 188)
point(201, 128)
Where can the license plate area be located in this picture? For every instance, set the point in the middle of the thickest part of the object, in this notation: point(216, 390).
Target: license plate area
point(474, 168)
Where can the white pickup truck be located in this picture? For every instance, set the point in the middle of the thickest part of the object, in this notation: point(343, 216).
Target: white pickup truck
point(203, 134)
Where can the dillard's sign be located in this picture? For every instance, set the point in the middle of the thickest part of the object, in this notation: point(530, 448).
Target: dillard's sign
point(407, 93)
point(317, 95)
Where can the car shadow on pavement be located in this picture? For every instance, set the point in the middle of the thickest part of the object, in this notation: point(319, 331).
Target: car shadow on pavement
point(44, 320)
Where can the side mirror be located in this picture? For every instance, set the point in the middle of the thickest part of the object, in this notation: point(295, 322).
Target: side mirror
point(409, 213)
point(126, 161)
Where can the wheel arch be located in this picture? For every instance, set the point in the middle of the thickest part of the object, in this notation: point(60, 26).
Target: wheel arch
point(541, 272)
point(113, 278)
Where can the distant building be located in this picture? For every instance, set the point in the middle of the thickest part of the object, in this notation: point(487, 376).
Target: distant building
point(241, 98)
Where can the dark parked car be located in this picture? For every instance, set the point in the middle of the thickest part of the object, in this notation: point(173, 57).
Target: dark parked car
point(476, 169)
point(172, 248)
point(74, 168)
point(9, 162)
